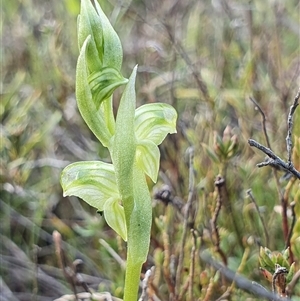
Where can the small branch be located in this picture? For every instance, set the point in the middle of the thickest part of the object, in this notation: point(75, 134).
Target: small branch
point(249, 193)
point(166, 262)
point(215, 231)
point(192, 266)
point(288, 242)
point(289, 142)
point(187, 289)
point(263, 121)
point(275, 160)
point(185, 221)
point(289, 231)
point(240, 281)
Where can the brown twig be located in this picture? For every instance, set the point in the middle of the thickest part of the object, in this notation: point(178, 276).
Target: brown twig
point(263, 121)
point(249, 193)
point(289, 141)
point(288, 241)
point(275, 160)
point(185, 221)
point(215, 231)
point(192, 266)
point(187, 288)
point(166, 263)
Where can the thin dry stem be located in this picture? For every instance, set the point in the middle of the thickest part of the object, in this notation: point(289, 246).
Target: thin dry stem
point(289, 141)
point(215, 231)
point(188, 285)
point(166, 263)
point(249, 193)
point(185, 221)
point(192, 266)
point(288, 242)
point(292, 206)
point(263, 121)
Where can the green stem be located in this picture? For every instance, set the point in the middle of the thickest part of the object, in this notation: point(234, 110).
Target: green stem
point(132, 280)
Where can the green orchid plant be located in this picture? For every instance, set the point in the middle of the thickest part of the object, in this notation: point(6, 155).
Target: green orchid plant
point(119, 189)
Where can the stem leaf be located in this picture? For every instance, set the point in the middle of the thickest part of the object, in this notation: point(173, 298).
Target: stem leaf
point(92, 181)
point(154, 121)
point(147, 157)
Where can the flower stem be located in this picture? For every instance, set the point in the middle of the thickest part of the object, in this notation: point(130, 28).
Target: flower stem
point(132, 279)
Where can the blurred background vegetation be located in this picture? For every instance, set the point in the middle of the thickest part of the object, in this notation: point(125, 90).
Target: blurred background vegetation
point(206, 58)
